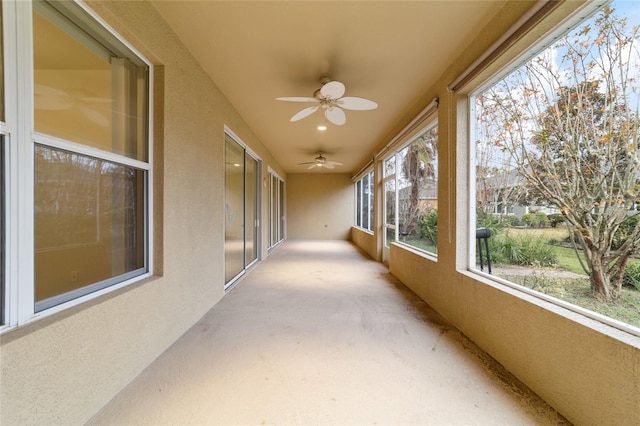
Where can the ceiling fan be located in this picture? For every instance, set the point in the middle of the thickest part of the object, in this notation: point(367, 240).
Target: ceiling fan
point(321, 161)
point(330, 98)
point(97, 110)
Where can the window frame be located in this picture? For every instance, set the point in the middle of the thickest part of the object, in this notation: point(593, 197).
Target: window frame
point(359, 202)
point(20, 141)
point(276, 212)
point(466, 122)
point(427, 123)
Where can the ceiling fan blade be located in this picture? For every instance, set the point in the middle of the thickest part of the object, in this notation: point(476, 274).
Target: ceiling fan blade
point(308, 162)
point(327, 165)
point(353, 103)
point(333, 163)
point(305, 113)
point(336, 116)
point(93, 100)
point(52, 99)
point(333, 90)
point(296, 99)
point(96, 117)
point(312, 166)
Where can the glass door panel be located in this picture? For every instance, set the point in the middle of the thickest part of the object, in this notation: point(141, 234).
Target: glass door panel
point(241, 244)
point(251, 209)
point(281, 212)
point(234, 209)
point(276, 210)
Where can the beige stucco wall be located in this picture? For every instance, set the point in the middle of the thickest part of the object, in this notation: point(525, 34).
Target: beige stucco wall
point(366, 241)
point(320, 206)
point(63, 369)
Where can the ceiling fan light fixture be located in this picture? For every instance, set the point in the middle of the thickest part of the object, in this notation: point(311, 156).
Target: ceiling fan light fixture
point(321, 161)
point(322, 127)
point(330, 97)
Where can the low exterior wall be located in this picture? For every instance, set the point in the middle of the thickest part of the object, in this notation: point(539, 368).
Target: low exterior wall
point(586, 370)
point(366, 241)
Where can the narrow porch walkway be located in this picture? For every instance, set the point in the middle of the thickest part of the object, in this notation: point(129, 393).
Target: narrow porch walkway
point(319, 334)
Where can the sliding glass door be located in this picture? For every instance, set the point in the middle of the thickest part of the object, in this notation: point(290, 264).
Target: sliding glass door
point(276, 209)
point(241, 209)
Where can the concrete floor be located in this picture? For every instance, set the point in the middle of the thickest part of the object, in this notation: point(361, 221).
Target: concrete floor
point(319, 334)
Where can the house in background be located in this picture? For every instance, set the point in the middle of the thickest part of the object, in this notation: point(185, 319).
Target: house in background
point(503, 195)
point(171, 107)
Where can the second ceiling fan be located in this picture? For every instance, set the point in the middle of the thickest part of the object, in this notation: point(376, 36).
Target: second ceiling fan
point(330, 97)
point(321, 161)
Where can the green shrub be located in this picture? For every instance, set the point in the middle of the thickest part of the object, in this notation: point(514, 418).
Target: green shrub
point(535, 220)
point(541, 220)
point(624, 231)
point(493, 224)
point(555, 219)
point(510, 221)
point(526, 250)
point(528, 219)
point(632, 276)
point(428, 227)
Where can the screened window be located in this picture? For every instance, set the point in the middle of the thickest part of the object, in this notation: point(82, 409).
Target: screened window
point(557, 167)
point(81, 179)
point(389, 184)
point(411, 192)
point(364, 202)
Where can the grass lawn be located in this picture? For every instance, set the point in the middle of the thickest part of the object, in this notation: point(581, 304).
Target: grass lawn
point(417, 242)
point(576, 291)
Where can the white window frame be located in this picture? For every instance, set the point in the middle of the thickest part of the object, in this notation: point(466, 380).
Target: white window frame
point(467, 145)
point(427, 124)
point(369, 174)
point(278, 208)
point(251, 153)
point(20, 306)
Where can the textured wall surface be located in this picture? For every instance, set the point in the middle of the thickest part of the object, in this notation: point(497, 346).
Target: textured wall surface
point(320, 206)
point(365, 241)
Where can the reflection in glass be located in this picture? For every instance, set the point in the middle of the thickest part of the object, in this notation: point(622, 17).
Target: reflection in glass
point(1, 66)
point(251, 218)
point(84, 92)
point(3, 240)
point(275, 209)
point(234, 209)
point(89, 224)
point(281, 212)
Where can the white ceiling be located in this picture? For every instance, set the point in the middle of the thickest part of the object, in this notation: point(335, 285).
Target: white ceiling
point(387, 51)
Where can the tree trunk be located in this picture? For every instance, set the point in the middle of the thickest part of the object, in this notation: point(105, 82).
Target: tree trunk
point(599, 279)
